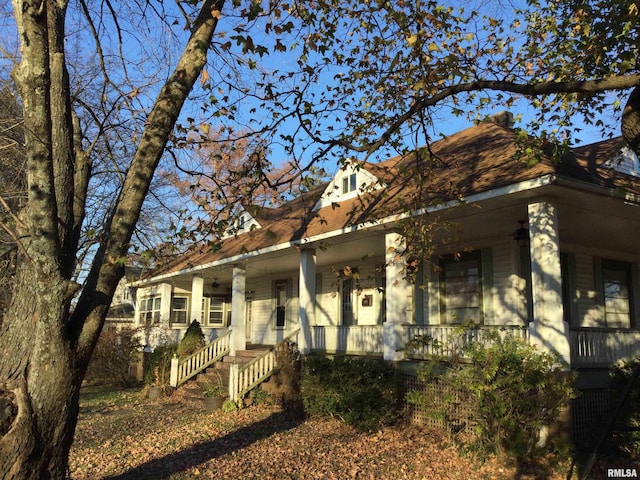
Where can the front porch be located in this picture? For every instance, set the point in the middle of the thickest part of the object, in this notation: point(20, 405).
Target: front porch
point(590, 348)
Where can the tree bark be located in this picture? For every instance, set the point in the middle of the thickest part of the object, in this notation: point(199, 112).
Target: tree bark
point(46, 347)
point(631, 121)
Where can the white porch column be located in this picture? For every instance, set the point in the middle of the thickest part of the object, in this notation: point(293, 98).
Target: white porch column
point(165, 303)
point(396, 297)
point(307, 298)
point(238, 327)
point(197, 292)
point(548, 330)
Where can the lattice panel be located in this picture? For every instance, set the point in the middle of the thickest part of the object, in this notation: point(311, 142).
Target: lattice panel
point(589, 410)
point(439, 393)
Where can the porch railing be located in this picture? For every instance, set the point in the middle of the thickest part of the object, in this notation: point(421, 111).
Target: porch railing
point(182, 369)
point(596, 347)
point(445, 340)
point(244, 378)
point(361, 339)
point(451, 340)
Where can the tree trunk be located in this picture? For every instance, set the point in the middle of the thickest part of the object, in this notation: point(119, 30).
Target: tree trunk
point(42, 389)
point(45, 345)
point(631, 121)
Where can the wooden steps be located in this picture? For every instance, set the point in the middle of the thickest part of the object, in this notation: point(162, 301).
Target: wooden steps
point(219, 372)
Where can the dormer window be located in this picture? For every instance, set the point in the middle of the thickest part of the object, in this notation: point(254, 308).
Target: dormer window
point(349, 183)
point(626, 162)
point(351, 180)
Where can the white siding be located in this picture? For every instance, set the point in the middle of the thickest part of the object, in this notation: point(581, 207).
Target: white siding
point(589, 313)
point(509, 287)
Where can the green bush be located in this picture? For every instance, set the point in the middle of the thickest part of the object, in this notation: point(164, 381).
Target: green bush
point(192, 341)
point(362, 392)
point(512, 389)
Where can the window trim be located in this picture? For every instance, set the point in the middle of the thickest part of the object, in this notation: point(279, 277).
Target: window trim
point(479, 256)
point(186, 311)
point(286, 283)
point(349, 183)
point(225, 311)
point(154, 312)
point(630, 271)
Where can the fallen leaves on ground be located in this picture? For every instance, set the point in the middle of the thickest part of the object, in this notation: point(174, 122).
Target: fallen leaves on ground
point(172, 438)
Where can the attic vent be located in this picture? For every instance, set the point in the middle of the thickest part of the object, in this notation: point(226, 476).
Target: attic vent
point(503, 119)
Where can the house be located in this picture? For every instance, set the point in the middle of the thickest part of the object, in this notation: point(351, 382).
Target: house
point(122, 309)
point(548, 250)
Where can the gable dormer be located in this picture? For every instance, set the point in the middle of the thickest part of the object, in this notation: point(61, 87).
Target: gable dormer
point(349, 182)
point(243, 222)
point(626, 161)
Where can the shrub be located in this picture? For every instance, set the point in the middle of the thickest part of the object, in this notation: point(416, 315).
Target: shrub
point(362, 392)
point(158, 367)
point(512, 389)
point(285, 386)
point(622, 373)
point(192, 341)
point(113, 357)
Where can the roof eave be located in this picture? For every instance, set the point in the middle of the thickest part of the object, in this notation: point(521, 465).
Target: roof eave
point(526, 185)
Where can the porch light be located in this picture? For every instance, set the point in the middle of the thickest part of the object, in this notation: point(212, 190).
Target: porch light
point(215, 284)
point(521, 235)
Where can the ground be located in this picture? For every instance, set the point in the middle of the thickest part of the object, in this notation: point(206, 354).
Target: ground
point(126, 436)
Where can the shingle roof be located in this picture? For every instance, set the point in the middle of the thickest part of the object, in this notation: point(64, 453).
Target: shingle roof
point(478, 159)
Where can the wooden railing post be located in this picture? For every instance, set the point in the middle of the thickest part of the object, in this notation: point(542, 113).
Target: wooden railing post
point(173, 377)
point(234, 380)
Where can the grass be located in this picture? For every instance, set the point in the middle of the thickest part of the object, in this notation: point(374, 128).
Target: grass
point(105, 396)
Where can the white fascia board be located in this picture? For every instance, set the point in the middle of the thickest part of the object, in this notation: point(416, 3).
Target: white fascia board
point(478, 197)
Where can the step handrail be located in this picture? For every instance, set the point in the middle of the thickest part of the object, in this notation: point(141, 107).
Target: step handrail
point(246, 377)
point(182, 369)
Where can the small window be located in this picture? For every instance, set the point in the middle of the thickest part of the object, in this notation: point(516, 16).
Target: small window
point(349, 183)
point(461, 289)
point(616, 294)
point(240, 223)
point(150, 310)
point(179, 310)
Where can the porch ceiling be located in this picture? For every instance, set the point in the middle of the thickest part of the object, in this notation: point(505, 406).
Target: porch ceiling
point(585, 218)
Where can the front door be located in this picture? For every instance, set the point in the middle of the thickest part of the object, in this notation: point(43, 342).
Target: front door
point(248, 318)
point(348, 318)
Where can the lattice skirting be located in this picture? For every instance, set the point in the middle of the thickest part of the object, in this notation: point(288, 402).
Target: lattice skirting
point(587, 409)
point(461, 418)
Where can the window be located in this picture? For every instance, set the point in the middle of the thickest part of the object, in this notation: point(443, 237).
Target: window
point(461, 288)
point(616, 293)
point(150, 310)
point(282, 299)
point(179, 310)
point(349, 183)
point(216, 312)
point(240, 223)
